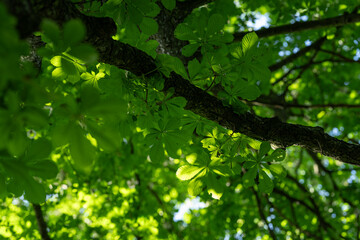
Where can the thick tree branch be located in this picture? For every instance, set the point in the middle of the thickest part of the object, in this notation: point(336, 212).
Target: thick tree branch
point(99, 32)
point(41, 222)
point(302, 26)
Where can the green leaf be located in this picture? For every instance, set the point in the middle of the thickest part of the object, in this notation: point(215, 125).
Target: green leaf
point(190, 49)
point(188, 172)
point(149, 26)
point(85, 52)
point(215, 187)
point(266, 185)
point(109, 108)
point(169, 4)
point(249, 176)
point(15, 187)
point(184, 32)
point(223, 170)
point(157, 154)
point(34, 191)
point(245, 90)
point(82, 152)
point(194, 68)
point(264, 149)
point(3, 189)
point(38, 150)
point(278, 155)
point(44, 169)
point(68, 67)
point(56, 61)
point(58, 74)
point(107, 136)
point(34, 118)
point(74, 32)
point(195, 187)
point(215, 24)
point(277, 170)
point(51, 30)
point(249, 41)
point(16, 143)
point(173, 63)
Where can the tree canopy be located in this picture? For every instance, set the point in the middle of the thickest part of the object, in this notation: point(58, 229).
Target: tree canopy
point(113, 113)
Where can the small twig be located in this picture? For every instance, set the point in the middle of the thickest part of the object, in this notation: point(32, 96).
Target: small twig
point(262, 215)
point(41, 222)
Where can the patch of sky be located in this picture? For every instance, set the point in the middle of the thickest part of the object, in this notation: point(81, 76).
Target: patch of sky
point(299, 18)
point(353, 177)
point(261, 20)
point(357, 55)
point(307, 42)
point(284, 53)
point(335, 132)
point(185, 207)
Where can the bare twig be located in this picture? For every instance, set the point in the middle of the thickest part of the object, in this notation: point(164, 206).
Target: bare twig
point(41, 222)
point(298, 54)
point(302, 26)
point(262, 215)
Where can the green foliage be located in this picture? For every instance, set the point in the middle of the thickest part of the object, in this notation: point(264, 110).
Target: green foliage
point(114, 155)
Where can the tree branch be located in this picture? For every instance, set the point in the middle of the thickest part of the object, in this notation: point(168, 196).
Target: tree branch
point(302, 26)
point(99, 32)
point(262, 215)
point(302, 106)
point(41, 222)
point(298, 54)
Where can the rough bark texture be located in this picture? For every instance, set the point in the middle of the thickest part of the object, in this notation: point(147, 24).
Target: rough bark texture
point(198, 101)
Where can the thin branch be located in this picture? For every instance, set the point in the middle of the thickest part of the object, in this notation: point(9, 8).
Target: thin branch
point(302, 26)
point(302, 106)
point(298, 54)
point(290, 221)
point(339, 55)
point(163, 206)
point(41, 222)
point(262, 215)
point(315, 210)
